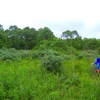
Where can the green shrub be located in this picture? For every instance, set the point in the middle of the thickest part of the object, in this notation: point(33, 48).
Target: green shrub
point(52, 61)
point(9, 54)
point(88, 54)
point(98, 49)
point(12, 54)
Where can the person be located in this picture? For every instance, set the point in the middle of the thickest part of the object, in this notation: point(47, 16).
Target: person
point(97, 65)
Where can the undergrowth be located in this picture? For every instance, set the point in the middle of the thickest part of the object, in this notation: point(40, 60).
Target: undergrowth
point(24, 80)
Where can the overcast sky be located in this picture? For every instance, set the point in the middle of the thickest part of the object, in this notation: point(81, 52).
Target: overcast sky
point(58, 15)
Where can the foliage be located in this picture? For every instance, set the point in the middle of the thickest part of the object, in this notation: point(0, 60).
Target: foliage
point(15, 55)
point(52, 61)
point(3, 39)
point(9, 54)
point(44, 34)
point(28, 38)
point(98, 49)
point(65, 62)
point(70, 34)
point(24, 80)
point(88, 54)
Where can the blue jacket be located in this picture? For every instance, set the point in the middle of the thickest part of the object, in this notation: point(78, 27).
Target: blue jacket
point(97, 63)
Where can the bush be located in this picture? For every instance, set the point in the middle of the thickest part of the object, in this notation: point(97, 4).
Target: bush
point(52, 61)
point(12, 54)
point(9, 54)
point(88, 54)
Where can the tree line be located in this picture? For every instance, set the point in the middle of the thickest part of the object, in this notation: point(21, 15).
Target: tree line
point(30, 38)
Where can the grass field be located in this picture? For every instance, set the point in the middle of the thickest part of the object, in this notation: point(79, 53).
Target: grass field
point(24, 80)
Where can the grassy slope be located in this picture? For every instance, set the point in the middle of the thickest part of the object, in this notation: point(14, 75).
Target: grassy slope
point(25, 81)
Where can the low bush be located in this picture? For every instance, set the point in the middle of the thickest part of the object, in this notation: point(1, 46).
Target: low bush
point(88, 54)
point(52, 61)
point(15, 55)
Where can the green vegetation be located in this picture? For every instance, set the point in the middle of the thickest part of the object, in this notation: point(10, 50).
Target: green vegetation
point(52, 61)
point(29, 38)
point(36, 65)
point(23, 79)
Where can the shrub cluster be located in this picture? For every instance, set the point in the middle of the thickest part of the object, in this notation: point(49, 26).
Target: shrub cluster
point(52, 61)
point(13, 54)
point(88, 54)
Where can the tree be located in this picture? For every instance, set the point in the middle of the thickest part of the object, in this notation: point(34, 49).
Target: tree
point(77, 43)
point(70, 34)
point(13, 27)
point(93, 43)
point(1, 27)
point(45, 34)
point(14, 37)
point(25, 38)
point(3, 40)
point(29, 37)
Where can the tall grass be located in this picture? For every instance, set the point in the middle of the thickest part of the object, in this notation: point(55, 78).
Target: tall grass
point(25, 81)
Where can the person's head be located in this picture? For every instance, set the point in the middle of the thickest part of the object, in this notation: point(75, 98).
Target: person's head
point(98, 60)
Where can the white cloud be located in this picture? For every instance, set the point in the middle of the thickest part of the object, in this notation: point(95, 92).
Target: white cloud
point(58, 15)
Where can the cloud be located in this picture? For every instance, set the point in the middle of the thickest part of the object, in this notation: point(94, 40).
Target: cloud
point(58, 15)
point(94, 32)
point(60, 26)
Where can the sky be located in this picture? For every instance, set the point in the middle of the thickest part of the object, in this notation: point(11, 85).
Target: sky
point(58, 15)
